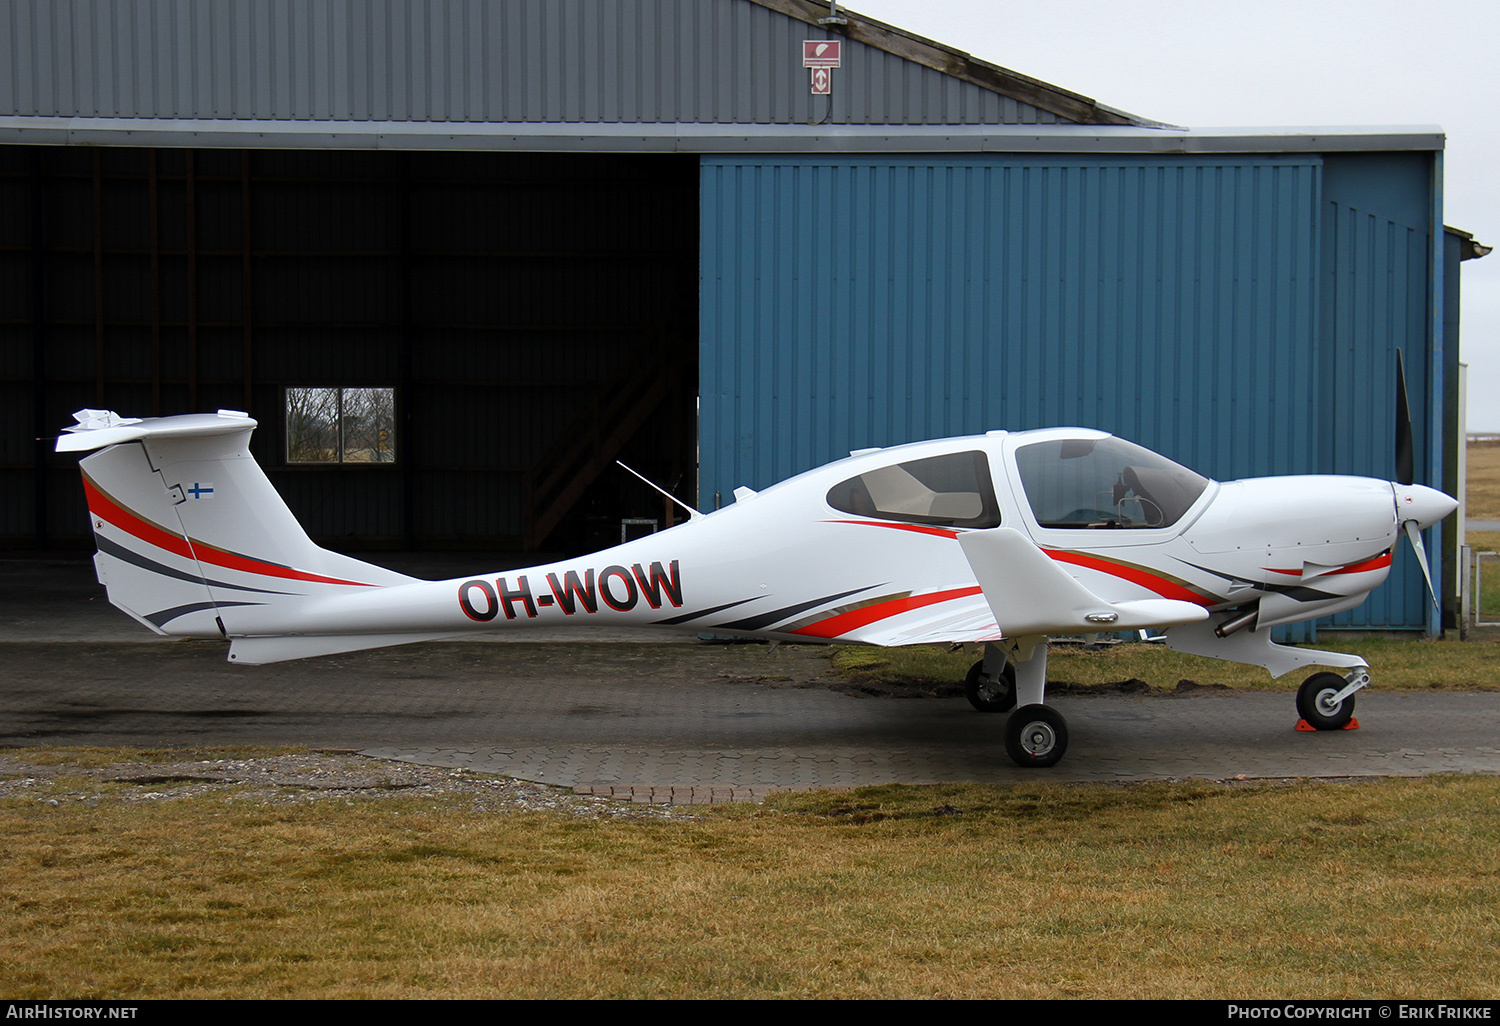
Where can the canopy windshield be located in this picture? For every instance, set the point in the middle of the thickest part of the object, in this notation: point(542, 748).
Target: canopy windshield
point(1104, 483)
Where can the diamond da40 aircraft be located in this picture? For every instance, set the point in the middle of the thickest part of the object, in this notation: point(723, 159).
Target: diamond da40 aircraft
point(1003, 539)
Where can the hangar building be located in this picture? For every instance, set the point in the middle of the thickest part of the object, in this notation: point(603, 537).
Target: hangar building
point(486, 248)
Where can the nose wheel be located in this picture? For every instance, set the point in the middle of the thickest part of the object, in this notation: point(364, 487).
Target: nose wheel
point(1318, 702)
point(1036, 736)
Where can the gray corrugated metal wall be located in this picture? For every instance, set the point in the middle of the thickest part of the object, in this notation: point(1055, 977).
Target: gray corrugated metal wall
point(629, 61)
point(1187, 303)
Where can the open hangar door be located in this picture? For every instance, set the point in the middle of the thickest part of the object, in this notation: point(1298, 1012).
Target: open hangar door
point(444, 349)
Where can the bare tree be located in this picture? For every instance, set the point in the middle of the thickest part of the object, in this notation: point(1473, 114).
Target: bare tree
point(312, 425)
point(340, 425)
point(369, 425)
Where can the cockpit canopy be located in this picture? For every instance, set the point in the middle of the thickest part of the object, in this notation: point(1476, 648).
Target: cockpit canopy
point(951, 490)
point(1104, 483)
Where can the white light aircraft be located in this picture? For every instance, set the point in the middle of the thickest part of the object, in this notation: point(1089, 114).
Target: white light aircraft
point(1004, 539)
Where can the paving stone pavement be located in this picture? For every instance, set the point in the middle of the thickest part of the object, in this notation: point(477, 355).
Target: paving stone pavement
point(692, 723)
point(1114, 738)
point(674, 722)
point(588, 720)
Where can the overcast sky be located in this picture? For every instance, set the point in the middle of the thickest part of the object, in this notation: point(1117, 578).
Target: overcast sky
point(1272, 63)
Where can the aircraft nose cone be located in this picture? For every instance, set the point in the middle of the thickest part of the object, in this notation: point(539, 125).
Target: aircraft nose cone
point(1424, 505)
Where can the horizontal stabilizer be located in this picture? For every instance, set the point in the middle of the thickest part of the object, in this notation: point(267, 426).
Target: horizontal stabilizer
point(98, 428)
point(1029, 593)
point(262, 650)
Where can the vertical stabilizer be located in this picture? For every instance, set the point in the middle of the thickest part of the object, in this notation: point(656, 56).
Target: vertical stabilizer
point(193, 539)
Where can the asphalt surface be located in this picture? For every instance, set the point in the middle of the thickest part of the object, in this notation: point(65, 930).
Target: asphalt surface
point(651, 721)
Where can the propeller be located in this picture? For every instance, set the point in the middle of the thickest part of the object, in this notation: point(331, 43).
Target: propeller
point(1414, 533)
point(1416, 506)
point(1405, 473)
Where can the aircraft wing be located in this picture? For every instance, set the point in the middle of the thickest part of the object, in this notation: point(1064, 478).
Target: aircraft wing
point(1022, 591)
point(1029, 593)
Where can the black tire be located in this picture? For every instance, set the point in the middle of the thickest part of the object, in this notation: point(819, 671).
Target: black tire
point(988, 696)
point(1313, 705)
point(1036, 736)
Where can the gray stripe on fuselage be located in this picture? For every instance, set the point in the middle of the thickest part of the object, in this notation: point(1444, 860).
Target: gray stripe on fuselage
point(162, 616)
point(110, 548)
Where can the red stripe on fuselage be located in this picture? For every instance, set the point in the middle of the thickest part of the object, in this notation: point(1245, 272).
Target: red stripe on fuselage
point(941, 532)
point(1363, 567)
point(1163, 586)
point(843, 623)
point(1382, 560)
point(104, 507)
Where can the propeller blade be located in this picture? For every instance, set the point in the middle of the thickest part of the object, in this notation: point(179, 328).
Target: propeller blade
point(1405, 471)
point(1414, 533)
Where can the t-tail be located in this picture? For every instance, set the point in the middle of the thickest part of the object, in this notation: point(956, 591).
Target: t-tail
point(193, 539)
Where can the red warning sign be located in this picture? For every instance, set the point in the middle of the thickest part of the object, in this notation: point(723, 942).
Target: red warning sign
point(821, 53)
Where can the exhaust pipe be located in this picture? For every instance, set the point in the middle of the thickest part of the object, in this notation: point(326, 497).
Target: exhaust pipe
point(1237, 623)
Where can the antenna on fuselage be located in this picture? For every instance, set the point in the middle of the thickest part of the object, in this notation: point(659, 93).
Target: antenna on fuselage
point(692, 513)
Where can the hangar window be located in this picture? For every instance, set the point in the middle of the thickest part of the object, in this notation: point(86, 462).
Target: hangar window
point(1104, 483)
point(340, 425)
point(952, 490)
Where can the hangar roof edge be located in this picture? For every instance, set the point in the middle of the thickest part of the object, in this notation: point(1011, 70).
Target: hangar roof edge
point(708, 139)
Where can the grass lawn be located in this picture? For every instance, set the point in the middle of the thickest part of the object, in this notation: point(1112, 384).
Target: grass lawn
point(1376, 889)
point(1482, 501)
point(1482, 496)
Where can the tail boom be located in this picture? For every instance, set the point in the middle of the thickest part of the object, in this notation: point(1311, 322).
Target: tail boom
point(194, 541)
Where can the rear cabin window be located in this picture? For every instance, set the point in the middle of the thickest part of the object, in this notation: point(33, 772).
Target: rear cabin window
point(953, 490)
point(1104, 483)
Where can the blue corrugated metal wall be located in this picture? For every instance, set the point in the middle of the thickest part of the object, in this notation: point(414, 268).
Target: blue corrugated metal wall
point(1375, 293)
point(1221, 310)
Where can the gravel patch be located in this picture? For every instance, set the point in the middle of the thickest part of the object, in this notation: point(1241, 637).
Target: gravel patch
point(280, 780)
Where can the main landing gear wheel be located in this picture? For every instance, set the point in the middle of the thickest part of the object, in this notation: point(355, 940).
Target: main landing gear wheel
point(1315, 702)
point(991, 695)
point(1036, 735)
